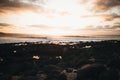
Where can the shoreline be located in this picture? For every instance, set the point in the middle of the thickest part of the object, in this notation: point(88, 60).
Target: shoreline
point(54, 39)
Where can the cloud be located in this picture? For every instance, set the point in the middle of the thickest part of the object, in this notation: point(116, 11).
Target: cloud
point(103, 5)
point(45, 27)
point(105, 17)
point(102, 30)
point(115, 26)
point(18, 5)
point(4, 25)
point(111, 17)
point(48, 27)
point(112, 26)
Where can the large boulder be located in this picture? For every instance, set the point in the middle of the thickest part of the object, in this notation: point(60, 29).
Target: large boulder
point(90, 71)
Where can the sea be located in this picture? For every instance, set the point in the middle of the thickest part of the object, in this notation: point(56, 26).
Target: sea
point(54, 39)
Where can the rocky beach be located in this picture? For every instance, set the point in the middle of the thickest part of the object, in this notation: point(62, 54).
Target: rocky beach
point(62, 61)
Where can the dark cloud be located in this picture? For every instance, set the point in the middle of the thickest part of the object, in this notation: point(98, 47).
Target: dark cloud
point(18, 5)
point(3, 25)
point(103, 5)
point(6, 4)
point(116, 27)
point(117, 23)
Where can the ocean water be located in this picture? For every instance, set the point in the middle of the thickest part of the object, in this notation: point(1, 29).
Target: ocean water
point(17, 40)
point(55, 39)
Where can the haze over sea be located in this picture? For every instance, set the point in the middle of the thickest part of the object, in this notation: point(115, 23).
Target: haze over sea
point(53, 39)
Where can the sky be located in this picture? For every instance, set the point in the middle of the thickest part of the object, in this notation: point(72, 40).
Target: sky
point(60, 17)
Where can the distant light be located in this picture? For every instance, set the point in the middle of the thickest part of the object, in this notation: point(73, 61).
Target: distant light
point(36, 57)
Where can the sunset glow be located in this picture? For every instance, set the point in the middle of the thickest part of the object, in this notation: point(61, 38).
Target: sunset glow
point(60, 17)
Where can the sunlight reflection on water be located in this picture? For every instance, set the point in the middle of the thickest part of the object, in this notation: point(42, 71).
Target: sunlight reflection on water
point(52, 40)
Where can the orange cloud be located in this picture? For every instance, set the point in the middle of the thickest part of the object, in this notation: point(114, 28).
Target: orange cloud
point(111, 17)
point(5, 27)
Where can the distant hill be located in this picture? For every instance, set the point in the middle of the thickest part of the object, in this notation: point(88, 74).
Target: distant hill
point(1, 34)
point(95, 36)
point(21, 35)
point(77, 36)
point(66, 36)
